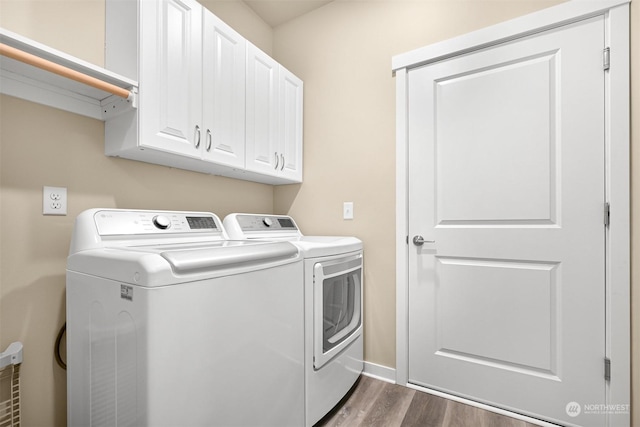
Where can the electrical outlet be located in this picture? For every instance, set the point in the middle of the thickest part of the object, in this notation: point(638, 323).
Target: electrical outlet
point(54, 201)
point(347, 210)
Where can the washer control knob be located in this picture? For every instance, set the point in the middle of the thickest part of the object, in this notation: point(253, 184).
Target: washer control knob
point(162, 222)
point(267, 221)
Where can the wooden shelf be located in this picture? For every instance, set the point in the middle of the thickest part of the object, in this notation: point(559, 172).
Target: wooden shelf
point(37, 85)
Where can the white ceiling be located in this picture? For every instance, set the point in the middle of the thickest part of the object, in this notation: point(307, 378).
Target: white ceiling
point(276, 12)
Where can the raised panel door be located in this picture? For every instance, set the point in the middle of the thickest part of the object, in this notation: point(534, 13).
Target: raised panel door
point(224, 60)
point(261, 112)
point(290, 123)
point(170, 94)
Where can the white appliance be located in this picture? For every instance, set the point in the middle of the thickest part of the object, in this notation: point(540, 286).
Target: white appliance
point(171, 324)
point(333, 306)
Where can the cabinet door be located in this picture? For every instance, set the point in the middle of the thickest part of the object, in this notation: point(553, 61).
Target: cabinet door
point(224, 59)
point(171, 76)
point(262, 104)
point(290, 125)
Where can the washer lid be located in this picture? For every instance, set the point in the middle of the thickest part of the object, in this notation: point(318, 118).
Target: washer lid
point(229, 254)
point(162, 265)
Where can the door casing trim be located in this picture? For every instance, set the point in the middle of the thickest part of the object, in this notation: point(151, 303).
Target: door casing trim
point(617, 144)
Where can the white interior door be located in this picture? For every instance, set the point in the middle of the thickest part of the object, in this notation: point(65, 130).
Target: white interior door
point(506, 176)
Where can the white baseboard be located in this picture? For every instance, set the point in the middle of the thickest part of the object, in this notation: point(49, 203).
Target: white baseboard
point(380, 372)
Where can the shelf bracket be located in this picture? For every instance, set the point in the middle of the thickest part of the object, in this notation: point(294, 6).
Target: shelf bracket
point(114, 105)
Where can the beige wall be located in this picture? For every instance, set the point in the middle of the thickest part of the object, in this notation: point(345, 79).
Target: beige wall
point(74, 27)
point(342, 52)
point(44, 146)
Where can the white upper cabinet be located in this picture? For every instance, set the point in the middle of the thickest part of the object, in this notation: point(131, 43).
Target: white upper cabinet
point(274, 118)
point(171, 76)
point(208, 100)
point(224, 92)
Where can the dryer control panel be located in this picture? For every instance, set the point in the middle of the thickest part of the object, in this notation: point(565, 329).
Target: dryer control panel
point(259, 226)
point(266, 222)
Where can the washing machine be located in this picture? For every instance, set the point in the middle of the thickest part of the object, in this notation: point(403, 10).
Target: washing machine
point(171, 324)
point(332, 282)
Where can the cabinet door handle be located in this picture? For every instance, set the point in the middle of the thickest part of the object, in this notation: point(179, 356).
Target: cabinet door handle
point(197, 136)
point(282, 166)
point(209, 140)
point(277, 161)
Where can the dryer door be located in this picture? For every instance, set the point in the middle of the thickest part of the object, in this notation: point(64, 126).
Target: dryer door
point(337, 306)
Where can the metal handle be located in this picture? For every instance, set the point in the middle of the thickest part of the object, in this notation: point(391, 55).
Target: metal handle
point(208, 140)
point(277, 161)
point(419, 241)
point(197, 136)
point(282, 167)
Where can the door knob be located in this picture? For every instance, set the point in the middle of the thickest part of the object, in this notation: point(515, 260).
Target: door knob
point(419, 241)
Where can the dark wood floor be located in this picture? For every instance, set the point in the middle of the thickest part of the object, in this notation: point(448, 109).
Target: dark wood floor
point(375, 403)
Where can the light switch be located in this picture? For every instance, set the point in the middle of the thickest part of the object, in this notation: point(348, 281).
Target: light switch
point(347, 210)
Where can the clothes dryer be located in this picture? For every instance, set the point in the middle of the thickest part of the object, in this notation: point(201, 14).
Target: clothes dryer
point(332, 280)
point(171, 324)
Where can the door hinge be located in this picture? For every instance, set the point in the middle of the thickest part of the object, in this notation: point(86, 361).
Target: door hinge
point(606, 59)
point(407, 239)
point(607, 369)
point(607, 214)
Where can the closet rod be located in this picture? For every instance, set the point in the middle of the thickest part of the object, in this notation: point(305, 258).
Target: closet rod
point(63, 71)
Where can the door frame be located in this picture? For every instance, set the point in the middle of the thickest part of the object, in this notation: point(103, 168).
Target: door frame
point(617, 159)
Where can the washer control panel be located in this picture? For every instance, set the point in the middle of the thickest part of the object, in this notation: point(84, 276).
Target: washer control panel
point(161, 221)
point(116, 222)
